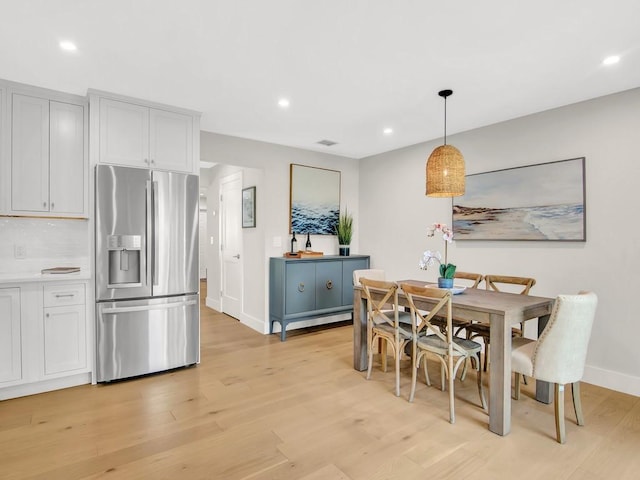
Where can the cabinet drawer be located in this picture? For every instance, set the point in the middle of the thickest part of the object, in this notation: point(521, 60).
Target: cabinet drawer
point(57, 295)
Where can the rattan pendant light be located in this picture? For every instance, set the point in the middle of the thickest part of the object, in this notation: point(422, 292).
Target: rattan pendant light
point(445, 165)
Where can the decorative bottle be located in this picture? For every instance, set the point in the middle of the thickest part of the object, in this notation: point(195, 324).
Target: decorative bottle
point(307, 245)
point(294, 244)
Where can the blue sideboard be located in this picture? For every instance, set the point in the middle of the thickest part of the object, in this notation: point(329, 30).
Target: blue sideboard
point(304, 288)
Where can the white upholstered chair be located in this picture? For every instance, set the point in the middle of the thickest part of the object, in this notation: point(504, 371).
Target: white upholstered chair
point(370, 273)
point(558, 356)
point(451, 351)
point(383, 324)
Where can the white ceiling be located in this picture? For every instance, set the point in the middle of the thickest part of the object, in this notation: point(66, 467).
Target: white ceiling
point(349, 67)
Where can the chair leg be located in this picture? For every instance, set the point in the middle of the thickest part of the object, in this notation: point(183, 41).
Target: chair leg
point(383, 356)
point(577, 403)
point(486, 354)
point(483, 400)
point(398, 352)
point(415, 365)
point(442, 377)
point(559, 411)
point(370, 363)
point(452, 413)
point(516, 386)
point(426, 372)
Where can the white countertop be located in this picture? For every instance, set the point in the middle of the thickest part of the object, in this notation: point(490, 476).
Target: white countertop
point(29, 277)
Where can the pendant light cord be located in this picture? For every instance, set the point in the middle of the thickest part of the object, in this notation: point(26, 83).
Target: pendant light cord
point(445, 120)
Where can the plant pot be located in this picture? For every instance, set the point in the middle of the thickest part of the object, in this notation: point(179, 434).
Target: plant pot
point(445, 282)
point(343, 250)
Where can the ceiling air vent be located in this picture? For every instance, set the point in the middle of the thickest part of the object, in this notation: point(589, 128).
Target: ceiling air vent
point(327, 143)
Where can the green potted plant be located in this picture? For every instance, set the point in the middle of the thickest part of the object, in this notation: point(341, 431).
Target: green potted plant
point(344, 230)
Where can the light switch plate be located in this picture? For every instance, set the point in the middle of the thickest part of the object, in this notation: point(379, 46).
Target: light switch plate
point(19, 251)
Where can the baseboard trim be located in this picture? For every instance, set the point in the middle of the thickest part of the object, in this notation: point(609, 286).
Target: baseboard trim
point(45, 386)
point(212, 303)
point(617, 381)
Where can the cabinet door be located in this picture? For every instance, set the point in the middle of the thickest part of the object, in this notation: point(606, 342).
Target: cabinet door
point(124, 133)
point(30, 154)
point(65, 339)
point(300, 287)
point(170, 140)
point(328, 284)
point(348, 266)
point(66, 158)
point(10, 336)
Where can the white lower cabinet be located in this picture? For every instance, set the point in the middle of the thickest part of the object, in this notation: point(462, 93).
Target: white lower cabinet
point(10, 335)
point(64, 329)
point(44, 337)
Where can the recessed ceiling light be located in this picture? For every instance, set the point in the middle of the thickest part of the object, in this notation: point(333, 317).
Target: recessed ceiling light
point(612, 60)
point(388, 131)
point(68, 46)
point(283, 103)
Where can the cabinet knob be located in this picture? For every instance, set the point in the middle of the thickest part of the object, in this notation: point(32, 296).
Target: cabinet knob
point(329, 284)
point(301, 287)
point(146, 160)
point(46, 315)
point(52, 205)
point(153, 162)
point(44, 204)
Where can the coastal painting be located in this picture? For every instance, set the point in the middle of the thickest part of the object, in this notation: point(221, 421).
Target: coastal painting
point(537, 202)
point(314, 200)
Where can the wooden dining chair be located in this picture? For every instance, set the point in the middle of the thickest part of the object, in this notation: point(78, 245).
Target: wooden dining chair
point(558, 356)
point(383, 324)
point(499, 283)
point(428, 338)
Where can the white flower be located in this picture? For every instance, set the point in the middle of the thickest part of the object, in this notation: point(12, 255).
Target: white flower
point(428, 259)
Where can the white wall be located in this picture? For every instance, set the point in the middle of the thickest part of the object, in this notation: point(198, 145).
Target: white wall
point(266, 166)
point(605, 131)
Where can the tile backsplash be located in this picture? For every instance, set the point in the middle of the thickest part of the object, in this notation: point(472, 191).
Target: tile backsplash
point(42, 243)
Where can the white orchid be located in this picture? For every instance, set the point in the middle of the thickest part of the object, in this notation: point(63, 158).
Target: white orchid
point(447, 270)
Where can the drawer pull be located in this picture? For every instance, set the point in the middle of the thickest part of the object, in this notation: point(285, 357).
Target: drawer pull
point(301, 287)
point(62, 295)
point(329, 284)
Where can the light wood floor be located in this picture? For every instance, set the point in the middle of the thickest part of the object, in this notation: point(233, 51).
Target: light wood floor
point(256, 408)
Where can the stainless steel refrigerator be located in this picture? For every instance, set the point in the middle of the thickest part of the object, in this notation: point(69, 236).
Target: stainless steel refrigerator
point(147, 282)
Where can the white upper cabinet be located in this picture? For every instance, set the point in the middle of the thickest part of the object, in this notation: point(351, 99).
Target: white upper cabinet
point(124, 133)
point(30, 154)
point(171, 140)
point(46, 162)
point(141, 134)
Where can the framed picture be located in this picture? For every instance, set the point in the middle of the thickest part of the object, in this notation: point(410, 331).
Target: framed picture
point(537, 202)
point(249, 207)
point(314, 200)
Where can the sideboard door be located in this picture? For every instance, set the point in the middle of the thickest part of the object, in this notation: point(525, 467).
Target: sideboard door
point(328, 284)
point(300, 288)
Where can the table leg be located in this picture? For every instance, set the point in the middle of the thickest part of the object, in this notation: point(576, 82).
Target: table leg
point(544, 392)
point(359, 331)
point(500, 377)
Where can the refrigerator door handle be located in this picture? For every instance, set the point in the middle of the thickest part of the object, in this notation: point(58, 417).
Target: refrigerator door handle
point(154, 236)
point(149, 243)
point(140, 308)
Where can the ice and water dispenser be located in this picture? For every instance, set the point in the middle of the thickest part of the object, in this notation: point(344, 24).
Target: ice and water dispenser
point(124, 260)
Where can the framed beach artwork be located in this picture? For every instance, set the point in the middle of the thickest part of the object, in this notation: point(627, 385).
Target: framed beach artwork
point(314, 200)
point(537, 202)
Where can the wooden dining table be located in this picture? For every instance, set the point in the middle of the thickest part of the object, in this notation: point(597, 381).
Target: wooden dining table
point(497, 309)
